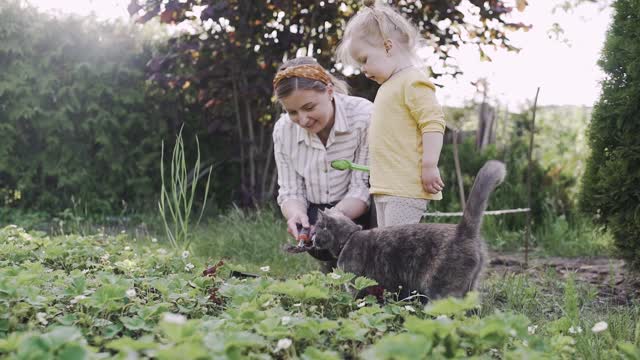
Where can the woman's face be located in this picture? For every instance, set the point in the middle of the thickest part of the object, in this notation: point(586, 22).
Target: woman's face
point(310, 109)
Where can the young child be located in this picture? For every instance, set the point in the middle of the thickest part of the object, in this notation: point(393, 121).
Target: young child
point(407, 125)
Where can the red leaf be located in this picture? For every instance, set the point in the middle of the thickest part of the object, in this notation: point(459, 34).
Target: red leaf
point(212, 102)
point(168, 16)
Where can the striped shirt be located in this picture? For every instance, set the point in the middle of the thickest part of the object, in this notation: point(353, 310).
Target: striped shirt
point(304, 163)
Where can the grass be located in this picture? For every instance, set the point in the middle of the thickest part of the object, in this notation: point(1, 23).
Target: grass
point(555, 236)
point(251, 238)
point(556, 306)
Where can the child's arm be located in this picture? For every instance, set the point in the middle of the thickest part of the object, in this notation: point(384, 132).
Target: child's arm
point(420, 98)
point(431, 147)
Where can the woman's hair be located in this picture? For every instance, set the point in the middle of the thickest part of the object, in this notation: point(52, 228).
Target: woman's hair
point(374, 24)
point(286, 86)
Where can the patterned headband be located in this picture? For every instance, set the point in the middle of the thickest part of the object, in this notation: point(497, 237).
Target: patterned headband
point(309, 71)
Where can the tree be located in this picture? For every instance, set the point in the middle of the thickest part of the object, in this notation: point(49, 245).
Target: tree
point(226, 58)
point(610, 186)
point(74, 112)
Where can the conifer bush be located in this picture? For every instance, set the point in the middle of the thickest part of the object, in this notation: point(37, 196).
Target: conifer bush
point(611, 185)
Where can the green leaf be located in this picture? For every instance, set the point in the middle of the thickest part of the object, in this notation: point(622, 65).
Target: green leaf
point(126, 344)
point(351, 331)
point(111, 331)
point(400, 347)
point(630, 350)
point(363, 282)
point(453, 306)
point(312, 353)
point(135, 323)
point(73, 352)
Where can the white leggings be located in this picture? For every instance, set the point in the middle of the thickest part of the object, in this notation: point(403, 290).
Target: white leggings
point(396, 210)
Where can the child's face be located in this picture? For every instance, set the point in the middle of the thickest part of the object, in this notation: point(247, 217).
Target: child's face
point(374, 61)
point(310, 109)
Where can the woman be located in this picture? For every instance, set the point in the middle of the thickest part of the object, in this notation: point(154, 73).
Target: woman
point(322, 123)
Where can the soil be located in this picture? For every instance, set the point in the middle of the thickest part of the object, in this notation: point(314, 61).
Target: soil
point(615, 283)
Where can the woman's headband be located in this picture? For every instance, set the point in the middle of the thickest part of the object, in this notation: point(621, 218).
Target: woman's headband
point(309, 71)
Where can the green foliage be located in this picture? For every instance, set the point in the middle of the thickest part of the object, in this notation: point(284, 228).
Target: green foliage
point(103, 296)
point(177, 195)
point(512, 193)
point(225, 66)
point(610, 185)
point(76, 117)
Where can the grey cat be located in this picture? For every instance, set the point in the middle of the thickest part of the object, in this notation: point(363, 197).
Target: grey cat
point(435, 260)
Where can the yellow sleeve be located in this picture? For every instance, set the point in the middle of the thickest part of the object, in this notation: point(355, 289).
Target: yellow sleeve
point(420, 98)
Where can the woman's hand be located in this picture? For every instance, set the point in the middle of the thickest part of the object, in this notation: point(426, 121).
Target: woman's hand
point(294, 220)
point(431, 181)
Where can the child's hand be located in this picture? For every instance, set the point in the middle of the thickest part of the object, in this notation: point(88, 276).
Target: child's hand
point(431, 181)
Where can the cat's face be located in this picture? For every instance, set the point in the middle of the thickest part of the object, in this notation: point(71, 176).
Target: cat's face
point(332, 230)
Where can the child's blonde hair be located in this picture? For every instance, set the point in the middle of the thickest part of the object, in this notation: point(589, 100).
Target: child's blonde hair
point(375, 24)
point(287, 86)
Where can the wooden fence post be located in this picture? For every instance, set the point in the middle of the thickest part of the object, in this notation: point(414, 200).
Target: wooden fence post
point(456, 161)
point(527, 237)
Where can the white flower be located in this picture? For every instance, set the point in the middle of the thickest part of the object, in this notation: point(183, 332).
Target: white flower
point(599, 327)
point(409, 308)
point(442, 317)
point(335, 276)
point(85, 271)
point(122, 232)
point(265, 268)
point(105, 257)
point(266, 303)
point(185, 254)
point(154, 240)
point(283, 344)
point(532, 329)
point(525, 343)
point(131, 293)
point(297, 304)
point(42, 318)
point(286, 320)
point(127, 248)
point(362, 304)
point(77, 299)
point(189, 267)
point(513, 333)
point(172, 318)
point(162, 251)
point(575, 330)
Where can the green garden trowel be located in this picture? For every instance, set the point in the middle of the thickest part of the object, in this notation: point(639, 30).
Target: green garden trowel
point(343, 164)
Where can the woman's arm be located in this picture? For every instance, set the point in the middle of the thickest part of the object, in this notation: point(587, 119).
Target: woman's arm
point(352, 208)
point(292, 194)
point(356, 201)
point(295, 212)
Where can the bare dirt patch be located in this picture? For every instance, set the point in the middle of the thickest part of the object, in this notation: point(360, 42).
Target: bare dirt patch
point(615, 283)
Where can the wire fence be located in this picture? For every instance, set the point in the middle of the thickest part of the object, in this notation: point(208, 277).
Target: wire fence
point(492, 212)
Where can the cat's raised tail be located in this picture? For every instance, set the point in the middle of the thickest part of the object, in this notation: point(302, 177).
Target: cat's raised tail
point(488, 178)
